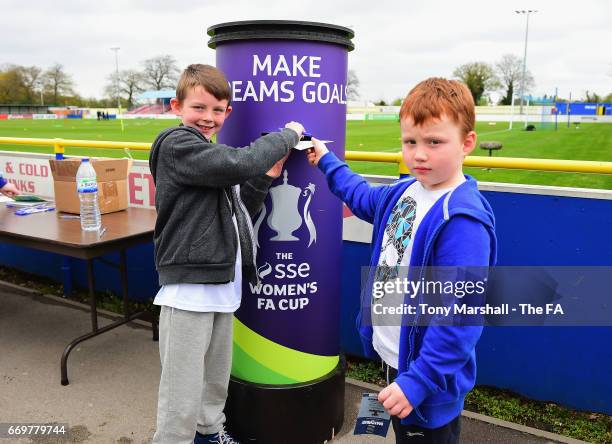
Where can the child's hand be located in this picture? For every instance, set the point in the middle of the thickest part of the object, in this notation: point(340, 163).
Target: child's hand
point(394, 401)
point(9, 190)
point(275, 171)
point(297, 127)
point(315, 154)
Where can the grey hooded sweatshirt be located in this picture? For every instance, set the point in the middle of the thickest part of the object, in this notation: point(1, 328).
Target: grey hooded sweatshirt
point(199, 186)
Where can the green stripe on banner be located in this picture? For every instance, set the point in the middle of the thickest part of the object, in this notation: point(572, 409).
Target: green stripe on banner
point(292, 364)
point(242, 362)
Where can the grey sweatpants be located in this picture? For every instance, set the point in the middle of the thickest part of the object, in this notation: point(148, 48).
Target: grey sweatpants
point(196, 356)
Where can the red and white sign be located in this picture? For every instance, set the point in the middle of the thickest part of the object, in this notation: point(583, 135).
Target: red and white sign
point(141, 187)
point(29, 174)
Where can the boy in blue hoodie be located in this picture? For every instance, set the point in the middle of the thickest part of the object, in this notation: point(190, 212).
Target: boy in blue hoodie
point(436, 218)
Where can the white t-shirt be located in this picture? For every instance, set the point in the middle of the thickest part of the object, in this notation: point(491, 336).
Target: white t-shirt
point(221, 298)
point(396, 250)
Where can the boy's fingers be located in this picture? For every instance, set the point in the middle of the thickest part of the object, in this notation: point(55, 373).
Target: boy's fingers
point(396, 410)
point(389, 403)
point(405, 412)
point(383, 395)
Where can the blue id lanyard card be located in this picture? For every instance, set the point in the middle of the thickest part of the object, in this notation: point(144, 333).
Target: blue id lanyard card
point(372, 418)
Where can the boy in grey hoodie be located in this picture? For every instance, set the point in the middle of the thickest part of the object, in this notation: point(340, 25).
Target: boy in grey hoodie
point(206, 194)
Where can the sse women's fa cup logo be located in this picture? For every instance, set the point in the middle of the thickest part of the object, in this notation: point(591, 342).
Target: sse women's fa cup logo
point(285, 217)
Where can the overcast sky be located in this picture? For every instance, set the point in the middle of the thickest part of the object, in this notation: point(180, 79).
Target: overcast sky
point(397, 43)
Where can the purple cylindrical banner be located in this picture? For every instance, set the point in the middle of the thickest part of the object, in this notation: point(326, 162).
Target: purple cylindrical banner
point(287, 328)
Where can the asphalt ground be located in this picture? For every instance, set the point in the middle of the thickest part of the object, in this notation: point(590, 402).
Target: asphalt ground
point(112, 395)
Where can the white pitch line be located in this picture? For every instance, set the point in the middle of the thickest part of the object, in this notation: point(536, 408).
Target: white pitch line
point(494, 132)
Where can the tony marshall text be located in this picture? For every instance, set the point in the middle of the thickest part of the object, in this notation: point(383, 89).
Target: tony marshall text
point(503, 309)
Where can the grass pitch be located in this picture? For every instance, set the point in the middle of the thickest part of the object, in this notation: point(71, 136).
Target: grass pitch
point(592, 141)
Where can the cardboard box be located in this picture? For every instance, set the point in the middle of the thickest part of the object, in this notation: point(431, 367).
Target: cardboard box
point(111, 175)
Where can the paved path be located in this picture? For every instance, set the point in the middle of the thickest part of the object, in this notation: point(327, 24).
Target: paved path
point(112, 394)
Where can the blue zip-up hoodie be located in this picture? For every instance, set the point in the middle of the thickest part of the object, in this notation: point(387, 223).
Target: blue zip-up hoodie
point(437, 364)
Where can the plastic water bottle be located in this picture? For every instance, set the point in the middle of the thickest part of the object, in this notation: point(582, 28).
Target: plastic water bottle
point(87, 187)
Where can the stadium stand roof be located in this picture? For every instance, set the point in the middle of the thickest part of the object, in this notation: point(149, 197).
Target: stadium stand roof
point(161, 94)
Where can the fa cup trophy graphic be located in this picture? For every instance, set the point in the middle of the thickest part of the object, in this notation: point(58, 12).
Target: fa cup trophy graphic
point(285, 217)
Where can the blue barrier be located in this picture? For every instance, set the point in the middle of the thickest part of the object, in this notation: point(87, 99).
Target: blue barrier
point(584, 109)
point(142, 277)
point(569, 365)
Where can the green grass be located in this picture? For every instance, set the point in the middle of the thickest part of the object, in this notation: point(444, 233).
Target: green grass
point(138, 130)
point(508, 406)
point(593, 141)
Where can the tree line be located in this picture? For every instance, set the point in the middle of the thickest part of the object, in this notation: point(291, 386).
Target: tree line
point(482, 78)
point(54, 86)
point(504, 76)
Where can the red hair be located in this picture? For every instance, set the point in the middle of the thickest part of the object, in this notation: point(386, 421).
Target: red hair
point(435, 97)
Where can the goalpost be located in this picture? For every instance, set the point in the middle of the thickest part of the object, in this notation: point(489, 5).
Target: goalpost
point(540, 111)
point(547, 117)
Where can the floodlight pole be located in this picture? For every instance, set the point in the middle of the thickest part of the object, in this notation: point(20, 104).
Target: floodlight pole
point(116, 49)
point(556, 110)
point(527, 12)
point(569, 104)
